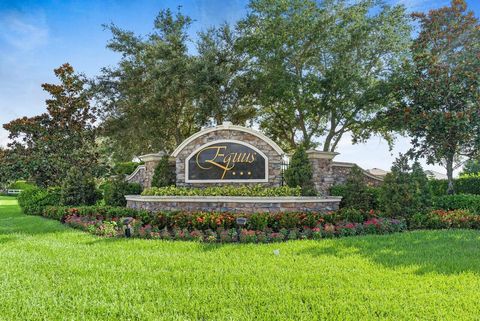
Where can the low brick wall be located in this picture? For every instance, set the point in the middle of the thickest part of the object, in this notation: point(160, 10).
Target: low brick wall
point(233, 204)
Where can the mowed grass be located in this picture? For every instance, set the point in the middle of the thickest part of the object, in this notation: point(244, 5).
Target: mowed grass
point(50, 272)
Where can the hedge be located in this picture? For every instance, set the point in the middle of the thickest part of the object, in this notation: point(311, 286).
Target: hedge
point(33, 200)
point(458, 201)
point(462, 185)
point(256, 190)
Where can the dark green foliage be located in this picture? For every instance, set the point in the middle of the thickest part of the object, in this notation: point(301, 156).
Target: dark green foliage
point(438, 98)
point(356, 193)
point(34, 199)
point(456, 202)
point(227, 190)
point(47, 146)
point(462, 185)
point(372, 194)
point(164, 174)
point(299, 173)
point(421, 191)
point(405, 190)
point(125, 168)
point(78, 189)
point(115, 191)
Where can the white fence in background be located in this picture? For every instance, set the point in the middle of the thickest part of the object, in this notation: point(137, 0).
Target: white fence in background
point(13, 191)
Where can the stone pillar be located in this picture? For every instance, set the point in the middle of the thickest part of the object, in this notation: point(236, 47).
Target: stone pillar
point(323, 177)
point(151, 161)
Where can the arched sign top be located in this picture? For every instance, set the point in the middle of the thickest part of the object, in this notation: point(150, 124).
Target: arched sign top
point(228, 126)
point(225, 161)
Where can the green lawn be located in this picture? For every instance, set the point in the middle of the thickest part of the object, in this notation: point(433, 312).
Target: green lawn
point(50, 272)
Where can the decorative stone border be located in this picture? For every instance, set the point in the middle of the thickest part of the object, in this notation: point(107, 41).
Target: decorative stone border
point(233, 204)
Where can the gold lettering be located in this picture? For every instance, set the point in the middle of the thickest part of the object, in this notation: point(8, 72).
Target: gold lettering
point(224, 161)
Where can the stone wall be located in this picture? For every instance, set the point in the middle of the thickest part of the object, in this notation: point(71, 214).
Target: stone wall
point(233, 204)
point(327, 173)
point(274, 158)
point(342, 170)
point(138, 176)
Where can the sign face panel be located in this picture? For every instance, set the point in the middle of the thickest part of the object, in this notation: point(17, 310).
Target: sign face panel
point(227, 161)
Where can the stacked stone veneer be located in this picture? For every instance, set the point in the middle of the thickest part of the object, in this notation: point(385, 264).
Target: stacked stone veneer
point(327, 173)
point(138, 176)
point(274, 158)
point(234, 205)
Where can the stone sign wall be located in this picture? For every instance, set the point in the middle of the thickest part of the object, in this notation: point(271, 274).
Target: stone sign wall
point(228, 154)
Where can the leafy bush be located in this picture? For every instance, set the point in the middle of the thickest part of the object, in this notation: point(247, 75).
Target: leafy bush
point(457, 202)
point(79, 189)
point(229, 190)
point(405, 190)
point(164, 174)
point(33, 200)
point(469, 184)
point(125, 168)
point(114, 192)
point(299, 173)
point(356, 193)
point(439, 219)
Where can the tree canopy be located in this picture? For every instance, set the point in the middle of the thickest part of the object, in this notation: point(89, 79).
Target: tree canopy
point(441, 88)
point(48, 145)
point(322, 69)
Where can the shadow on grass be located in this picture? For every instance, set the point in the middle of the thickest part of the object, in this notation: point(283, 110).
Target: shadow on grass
point(441, 251)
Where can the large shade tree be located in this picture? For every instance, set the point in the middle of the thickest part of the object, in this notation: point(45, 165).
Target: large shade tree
point(48, 145)
point(322, 69)
point(441, 93)
point(221, 84)
point(146, 100)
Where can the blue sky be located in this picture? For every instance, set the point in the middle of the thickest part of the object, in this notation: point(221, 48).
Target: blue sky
point(38, 36)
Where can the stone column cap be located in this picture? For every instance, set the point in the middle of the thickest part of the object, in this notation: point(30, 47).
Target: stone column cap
point(313, 153)
point(152, 157)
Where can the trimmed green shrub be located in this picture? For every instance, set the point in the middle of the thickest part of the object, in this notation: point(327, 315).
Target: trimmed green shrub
point(33, 200)
point(372, 194)
point(164, 174)
point(79, 189)
point(125, 168)
point(228, 190)
point(355, 192)
point(299, 172)
point(115, 191)
point(458, 201)
point(464, 185)
point(405, 190)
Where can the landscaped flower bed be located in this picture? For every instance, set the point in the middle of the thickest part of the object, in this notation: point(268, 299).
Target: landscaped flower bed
point(222, 227)
point(443, 219)
point(115, 227)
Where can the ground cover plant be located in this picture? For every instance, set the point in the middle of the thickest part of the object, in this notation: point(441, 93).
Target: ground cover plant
point(50, 271)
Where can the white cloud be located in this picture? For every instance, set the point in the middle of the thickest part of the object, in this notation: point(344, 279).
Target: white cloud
point(23, 32)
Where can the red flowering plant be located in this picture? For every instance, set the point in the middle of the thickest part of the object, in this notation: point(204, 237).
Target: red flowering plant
point(276, 237)
point(348, 229)
point(247, 236)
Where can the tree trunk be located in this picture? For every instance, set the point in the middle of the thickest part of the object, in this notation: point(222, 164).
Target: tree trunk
point(450, 189)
